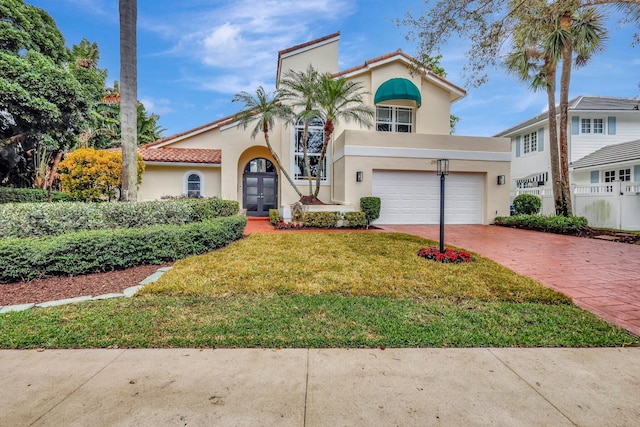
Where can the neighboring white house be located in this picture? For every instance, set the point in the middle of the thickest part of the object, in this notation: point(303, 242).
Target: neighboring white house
point(594, 123)
point(394, 159)
point(607, 186)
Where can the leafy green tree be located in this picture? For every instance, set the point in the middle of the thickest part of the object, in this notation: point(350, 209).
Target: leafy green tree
point(129, 97)
point(41, 101)
point(264, 109)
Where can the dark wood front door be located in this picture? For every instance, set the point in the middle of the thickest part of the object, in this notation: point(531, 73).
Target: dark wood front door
point(260, 188)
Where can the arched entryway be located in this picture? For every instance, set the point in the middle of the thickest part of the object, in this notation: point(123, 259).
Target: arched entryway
point(259, 187)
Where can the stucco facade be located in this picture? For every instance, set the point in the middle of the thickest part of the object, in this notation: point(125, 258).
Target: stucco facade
point(414, 136)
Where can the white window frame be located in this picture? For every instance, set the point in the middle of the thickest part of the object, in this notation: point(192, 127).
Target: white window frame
point(394, 124)
point(185, 182)
point(592, 126)
point(624, 174)
point(530, 143)
point(300, 154)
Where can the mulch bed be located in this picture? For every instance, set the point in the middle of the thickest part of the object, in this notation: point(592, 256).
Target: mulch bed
point(56, 288)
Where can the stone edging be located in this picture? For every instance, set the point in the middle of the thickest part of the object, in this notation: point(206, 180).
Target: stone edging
point(127, 293)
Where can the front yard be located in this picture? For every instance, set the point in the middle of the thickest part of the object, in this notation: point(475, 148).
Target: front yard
point(322, 290)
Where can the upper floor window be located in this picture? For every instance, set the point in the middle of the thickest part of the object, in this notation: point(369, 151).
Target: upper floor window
point(530, 142)
point(594, 126)
point(394, 119)
point(609, 176)
point(314, 149)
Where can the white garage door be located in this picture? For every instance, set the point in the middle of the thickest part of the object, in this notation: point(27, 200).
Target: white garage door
point(414, 197)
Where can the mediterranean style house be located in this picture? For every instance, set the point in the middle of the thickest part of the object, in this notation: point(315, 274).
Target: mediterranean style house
point(603, 149)
point(395, 159)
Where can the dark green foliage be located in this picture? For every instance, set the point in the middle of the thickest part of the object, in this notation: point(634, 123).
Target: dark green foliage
point(30, 195)
point(41, 219)
point(355, 219)
point(371, 207)
point(274, 216)
point(527, 204)
point(321, 219)
point(105, 250)
point(558, 224)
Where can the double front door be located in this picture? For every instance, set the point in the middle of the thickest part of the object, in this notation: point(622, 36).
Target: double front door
point(260, 188)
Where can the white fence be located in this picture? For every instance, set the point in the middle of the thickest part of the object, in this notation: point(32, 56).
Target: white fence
point(609, 205)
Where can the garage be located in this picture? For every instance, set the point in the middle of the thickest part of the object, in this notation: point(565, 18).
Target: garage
point(414, 197)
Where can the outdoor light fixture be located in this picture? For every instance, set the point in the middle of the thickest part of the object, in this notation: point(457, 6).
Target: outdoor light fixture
point(359, 176)
point(443, 167)
point(442, 170)
point(500, 179)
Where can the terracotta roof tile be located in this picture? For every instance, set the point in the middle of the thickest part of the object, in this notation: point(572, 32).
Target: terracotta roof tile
point(181, 155)
point(220, 122)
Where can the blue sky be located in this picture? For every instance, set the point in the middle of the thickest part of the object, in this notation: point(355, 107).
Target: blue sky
point(194, 55)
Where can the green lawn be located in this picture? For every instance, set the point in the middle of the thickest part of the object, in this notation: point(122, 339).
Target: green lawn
point(321, 290)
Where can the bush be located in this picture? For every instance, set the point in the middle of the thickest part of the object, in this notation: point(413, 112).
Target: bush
point(527, 204)
point(274, 216)
point(553, 224)
point(321, 219)
point(29, 195)
point(371, 207)
point(105, 250)
point(37, 219)
point(355, 219)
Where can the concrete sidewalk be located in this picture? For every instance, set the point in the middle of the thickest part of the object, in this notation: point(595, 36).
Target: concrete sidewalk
point(299, 387)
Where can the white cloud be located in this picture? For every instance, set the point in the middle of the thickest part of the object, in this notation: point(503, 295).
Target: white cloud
point(239, 40)
point(157, 106)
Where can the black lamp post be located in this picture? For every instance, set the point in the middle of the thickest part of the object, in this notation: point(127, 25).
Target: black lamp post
point(442, 170)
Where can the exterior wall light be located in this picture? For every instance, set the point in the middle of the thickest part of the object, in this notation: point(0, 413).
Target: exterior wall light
point(359, 176)
point(501, 180)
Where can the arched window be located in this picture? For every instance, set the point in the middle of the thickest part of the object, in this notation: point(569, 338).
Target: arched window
point(193, 185)
point(314, 148)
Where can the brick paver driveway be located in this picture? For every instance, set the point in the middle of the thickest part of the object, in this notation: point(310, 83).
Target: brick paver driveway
point(602, 277)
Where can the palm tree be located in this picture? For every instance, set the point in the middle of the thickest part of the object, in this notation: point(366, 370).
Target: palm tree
point(535, 59)
point(587, 38)
point(299, 89)
point(264, 109)
point(339, 99)
point(128, 98)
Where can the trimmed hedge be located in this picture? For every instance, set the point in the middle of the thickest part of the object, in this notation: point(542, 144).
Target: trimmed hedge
point(105, 250)
point(355, 219)
point(30, 195)
point(321, 219)
point(552, 224)
point(527, 204)
point(44, 219)
point(371, 207)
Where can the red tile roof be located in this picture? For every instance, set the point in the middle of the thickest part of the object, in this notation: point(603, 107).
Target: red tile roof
point(216, 123)
point(181, 155)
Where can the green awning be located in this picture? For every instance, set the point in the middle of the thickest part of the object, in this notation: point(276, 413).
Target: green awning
point(397, 89)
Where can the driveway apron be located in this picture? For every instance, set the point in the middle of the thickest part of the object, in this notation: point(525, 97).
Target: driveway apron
point(600, 276)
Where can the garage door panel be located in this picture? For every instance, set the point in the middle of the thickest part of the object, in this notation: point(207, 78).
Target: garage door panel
point(414, 197)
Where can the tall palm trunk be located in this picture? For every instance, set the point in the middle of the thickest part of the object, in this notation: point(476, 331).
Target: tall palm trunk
point(265, 131)
point(556, 179)
point(328, 131)
point(565, 78)
point(305, 149)
point(128, 98)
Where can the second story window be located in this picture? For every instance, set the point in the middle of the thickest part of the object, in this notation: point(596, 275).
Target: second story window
point(394, 119)
point(530, 142)
point(314, 149)
point(594, 126)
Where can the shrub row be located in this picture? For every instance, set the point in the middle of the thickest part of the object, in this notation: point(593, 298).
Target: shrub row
point(553, 224)
point(44, 219)
point(106, 250)
point(30, 195)
point(330, 219)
